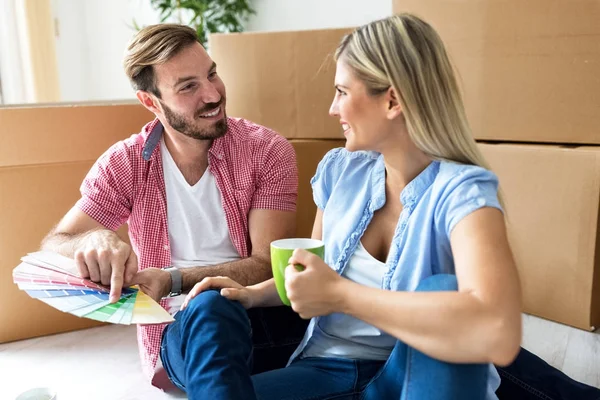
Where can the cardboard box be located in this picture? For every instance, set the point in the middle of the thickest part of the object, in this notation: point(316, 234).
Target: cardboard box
point(530, 70)
point(45, 154)
point(65, 133)
point(552, 196)
point(40, 177)
point(308, 155)
point(283, 80)
point(32, 200)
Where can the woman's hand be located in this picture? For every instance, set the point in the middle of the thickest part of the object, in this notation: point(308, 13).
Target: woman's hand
point(229, 289)
point(315, 291)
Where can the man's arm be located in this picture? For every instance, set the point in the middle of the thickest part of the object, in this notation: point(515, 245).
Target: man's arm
point(65, 237)
point(265, 226)
point(99, 253)
point(277, 190)
point(70, 232)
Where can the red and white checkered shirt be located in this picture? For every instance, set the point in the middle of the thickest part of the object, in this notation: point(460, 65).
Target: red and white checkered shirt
point(253, 168)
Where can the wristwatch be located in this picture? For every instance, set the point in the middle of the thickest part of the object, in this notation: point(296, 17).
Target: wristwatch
point(176, 281)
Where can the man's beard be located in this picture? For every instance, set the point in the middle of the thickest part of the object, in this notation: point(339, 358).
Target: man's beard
point(182, 124)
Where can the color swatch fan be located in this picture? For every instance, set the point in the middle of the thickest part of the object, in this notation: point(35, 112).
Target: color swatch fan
point(54, 279)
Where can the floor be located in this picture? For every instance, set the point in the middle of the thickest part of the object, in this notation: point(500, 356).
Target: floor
point(102, 363)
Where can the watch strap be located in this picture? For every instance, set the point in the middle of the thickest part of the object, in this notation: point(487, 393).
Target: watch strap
point(176, 281)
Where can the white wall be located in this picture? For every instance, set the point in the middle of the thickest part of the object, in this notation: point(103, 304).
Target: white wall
point(13, 46)
point(109, 29)
point(71, 49)
point(283, 15)
point(93, 35)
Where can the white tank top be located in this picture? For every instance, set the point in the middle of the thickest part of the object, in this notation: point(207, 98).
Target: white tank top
point(198, 231)
point(343, 336)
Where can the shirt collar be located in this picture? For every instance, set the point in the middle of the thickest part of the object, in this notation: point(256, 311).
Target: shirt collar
point(415, 188)
point(411, 193)
point(153, 131)
point(378, 184)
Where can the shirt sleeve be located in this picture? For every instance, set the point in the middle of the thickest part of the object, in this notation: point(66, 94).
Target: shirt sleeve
point(325, 178)
point(469, 191)
point(106, 191)
point(277, 185)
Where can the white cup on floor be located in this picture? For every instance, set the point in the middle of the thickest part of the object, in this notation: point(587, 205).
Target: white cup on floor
point(40, 393)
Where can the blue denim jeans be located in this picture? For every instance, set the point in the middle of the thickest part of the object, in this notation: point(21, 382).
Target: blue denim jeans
point(212, 349)
point(316, 378)
point(407, 374)
point(531, 378)
point(214, 342)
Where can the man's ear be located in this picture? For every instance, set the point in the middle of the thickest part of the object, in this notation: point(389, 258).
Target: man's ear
point(149, 101)
point(392, 103)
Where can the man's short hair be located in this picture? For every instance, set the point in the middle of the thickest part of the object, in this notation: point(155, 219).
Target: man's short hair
point(153, 45)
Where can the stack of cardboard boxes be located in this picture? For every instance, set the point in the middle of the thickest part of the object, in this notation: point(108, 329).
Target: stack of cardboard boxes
point(284, 81)
point(45, 154)
point(530, 72)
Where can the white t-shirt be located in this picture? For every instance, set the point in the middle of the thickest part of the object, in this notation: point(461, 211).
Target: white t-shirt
point(198, 231)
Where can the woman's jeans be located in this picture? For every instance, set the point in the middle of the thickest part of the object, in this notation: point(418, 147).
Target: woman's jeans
point(209, 353)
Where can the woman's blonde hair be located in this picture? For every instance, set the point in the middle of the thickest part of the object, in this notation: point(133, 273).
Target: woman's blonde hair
point(404, 52)
point(153, 45)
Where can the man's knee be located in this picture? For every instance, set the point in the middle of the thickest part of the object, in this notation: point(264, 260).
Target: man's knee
point(210, 302)
point(210, 305)
point(438, 283)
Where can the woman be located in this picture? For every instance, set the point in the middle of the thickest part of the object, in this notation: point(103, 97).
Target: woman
point(418, 294)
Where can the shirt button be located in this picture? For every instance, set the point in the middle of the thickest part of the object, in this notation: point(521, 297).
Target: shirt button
point(166, 247)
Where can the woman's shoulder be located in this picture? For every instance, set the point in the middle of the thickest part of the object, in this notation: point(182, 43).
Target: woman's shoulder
point(339, 166)
point(337, 163)
point(452, 174)
point(459, 190)
point(340, 158)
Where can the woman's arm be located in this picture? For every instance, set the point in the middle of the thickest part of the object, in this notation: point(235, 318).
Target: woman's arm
point(480, 323)
point(317, 232)
point(263, 294)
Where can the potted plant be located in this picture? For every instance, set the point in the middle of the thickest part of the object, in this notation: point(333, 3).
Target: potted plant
point(206, 16)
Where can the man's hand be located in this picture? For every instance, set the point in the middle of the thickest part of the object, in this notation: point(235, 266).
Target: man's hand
point(103, 257)
point(155, 282)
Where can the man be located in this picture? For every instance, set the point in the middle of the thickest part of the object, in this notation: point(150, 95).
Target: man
point(203, 194)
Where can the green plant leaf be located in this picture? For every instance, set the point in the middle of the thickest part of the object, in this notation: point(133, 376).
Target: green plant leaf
point(206, 16)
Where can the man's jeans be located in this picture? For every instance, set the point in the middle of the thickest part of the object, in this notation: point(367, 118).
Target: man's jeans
point(212, 329)
point(208, 353)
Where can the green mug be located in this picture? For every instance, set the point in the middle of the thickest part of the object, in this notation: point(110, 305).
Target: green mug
point(281, 251)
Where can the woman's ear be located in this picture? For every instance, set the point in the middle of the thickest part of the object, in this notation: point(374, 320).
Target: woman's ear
point(392, 103)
